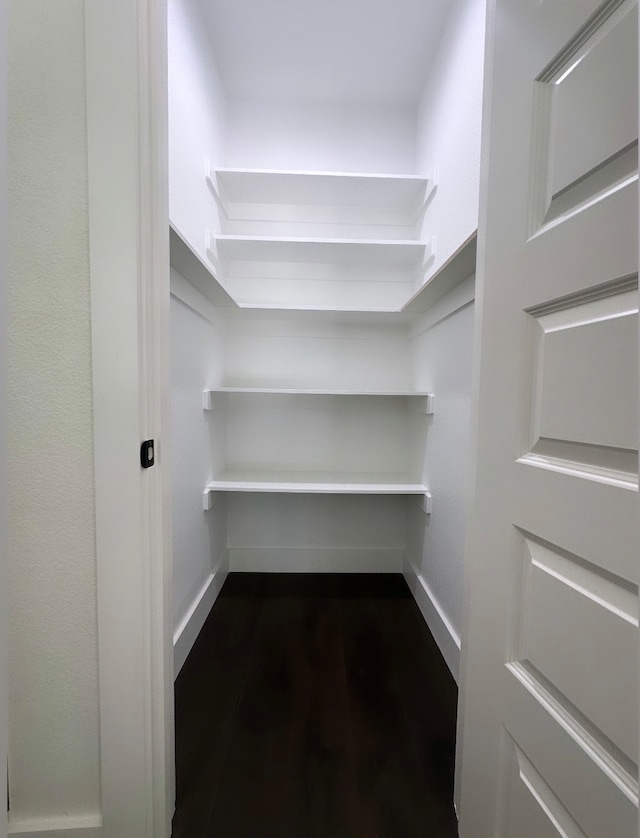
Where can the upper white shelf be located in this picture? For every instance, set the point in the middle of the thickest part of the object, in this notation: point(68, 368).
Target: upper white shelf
point(326, 251)
point(458, 267)
point(186, 261)
point(340, 189)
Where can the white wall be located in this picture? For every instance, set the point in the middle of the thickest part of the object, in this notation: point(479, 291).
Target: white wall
point(315, 353)
point(53, 693)
point(448, 140)
point(317, 533)
point(198, 443)
point(443, 345)
point(321, 136)
point(197, 132)
point(197, 122)
point(448, 129)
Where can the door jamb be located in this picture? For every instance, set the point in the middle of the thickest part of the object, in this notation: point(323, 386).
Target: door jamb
point(487, 89)
point(3, 449)
point(126, 62)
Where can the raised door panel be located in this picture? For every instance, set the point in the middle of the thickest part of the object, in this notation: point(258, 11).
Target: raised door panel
point(595, 84)
point(583, 351)
point(577, 630)
point(531, 809)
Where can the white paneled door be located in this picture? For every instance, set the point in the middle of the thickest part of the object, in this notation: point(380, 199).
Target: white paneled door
point(549, 732)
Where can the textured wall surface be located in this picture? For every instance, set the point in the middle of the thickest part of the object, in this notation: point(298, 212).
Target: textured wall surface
point(449, 120)
point(53, 693)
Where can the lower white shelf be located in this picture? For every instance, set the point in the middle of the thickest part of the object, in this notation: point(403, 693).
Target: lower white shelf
point(419, 402)
point(330, 483)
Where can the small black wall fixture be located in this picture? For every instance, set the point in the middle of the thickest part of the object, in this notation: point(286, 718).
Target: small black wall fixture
point(147, 454)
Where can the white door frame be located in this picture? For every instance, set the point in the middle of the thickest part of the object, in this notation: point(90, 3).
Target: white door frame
point(3, 440)
point(126, 59)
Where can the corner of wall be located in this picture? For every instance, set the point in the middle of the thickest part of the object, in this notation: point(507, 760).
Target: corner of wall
point(448, 130)
point(439, 625)
point(442, 354)
point(192, 623)
point(201, 559)
point(197, 122)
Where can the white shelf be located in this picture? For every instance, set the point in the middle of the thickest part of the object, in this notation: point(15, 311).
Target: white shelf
point(335, 315)
point(326, 251)
point(454, 271)
point(420, 402)
point(317, 392)
point(187, 262)
point(339, 189)
point(252, 270)
point(328, 483)
point(189, 265)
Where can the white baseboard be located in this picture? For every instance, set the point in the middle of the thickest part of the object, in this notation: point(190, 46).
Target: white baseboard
point(314, 560)
point(443, 632)
point(191, 625)
point(72, 826)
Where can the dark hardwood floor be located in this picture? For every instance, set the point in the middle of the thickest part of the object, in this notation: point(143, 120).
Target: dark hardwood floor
point(315, 706)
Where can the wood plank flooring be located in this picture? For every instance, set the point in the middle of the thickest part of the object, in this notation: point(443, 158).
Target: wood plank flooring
point(315, 706)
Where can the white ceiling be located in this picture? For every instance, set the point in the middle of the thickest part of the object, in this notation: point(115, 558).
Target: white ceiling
point(371, 51)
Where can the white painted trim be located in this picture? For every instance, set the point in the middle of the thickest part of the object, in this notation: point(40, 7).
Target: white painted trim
point(435, 617)
point(154, 336)
point(191, 624)
point(3, 437)
point(487, 96)
point(314, 560)
point(129, 258)
point(70, 826)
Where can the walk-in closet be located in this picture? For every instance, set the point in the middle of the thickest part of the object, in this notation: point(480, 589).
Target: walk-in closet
point(322, 252)
point(324, 176)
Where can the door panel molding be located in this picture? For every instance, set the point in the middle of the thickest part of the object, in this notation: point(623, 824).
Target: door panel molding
point(573, 165)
